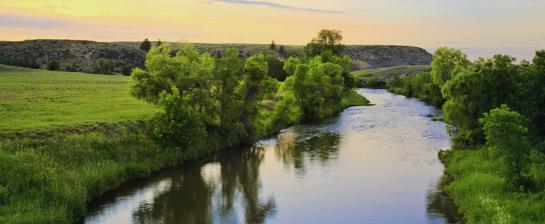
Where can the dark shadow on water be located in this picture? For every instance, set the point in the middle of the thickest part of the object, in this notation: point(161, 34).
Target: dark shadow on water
point(439, 204)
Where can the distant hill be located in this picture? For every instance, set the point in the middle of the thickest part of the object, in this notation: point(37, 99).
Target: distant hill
point(73, 55)
point(84, 56)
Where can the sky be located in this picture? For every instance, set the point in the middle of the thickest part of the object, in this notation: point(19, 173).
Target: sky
point(479, 27)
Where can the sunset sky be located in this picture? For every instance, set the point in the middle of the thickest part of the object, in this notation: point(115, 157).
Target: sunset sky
point(499, 25)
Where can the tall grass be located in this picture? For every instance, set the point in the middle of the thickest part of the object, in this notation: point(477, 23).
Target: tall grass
point(50, 181)
point(482, 195)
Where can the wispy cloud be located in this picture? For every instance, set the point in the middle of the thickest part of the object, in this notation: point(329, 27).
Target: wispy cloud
point(277, 6)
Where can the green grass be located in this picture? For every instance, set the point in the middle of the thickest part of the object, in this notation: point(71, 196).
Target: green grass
point(50, 181)
point(353, 98)
point(482, 194)
point(396, 70)
point(41, 100)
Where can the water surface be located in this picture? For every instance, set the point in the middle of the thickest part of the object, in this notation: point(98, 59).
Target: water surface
point(375, 164)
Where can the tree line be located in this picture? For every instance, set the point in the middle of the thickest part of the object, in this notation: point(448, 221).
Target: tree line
point(493, 102)
point(215, 101)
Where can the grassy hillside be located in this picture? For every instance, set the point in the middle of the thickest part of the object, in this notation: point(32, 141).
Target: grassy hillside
point(40, 100)
point(377, 77)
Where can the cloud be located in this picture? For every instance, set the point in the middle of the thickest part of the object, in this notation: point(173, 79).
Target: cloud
point(25, 21)
point(277, 6)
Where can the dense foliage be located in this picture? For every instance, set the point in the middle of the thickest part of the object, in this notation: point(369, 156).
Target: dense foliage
point(224, 100)
point(497, 107)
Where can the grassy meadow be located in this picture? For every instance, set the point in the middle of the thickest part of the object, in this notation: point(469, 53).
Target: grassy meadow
point(51, 179)
point(34, 100)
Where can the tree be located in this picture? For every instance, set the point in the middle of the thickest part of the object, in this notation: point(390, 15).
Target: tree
point(446, 64)
point(53, 65)
point(273, 46)
point(228, 73)
point(474, 90)
point(179, 123)
point(276, 67)
point(318, 88)
point(104, 66)
point(507, 140)
point(255, 87)
point(327, 40)
point(282, 52)
point(145, 45)
point(159, 43)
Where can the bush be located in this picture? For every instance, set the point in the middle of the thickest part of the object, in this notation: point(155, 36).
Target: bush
point(104, 66)
point(507, 140)
point(53, 65)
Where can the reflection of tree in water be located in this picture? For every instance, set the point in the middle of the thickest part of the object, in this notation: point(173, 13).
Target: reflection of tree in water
point(191, 198)
point(294, 149)
point(440, 205)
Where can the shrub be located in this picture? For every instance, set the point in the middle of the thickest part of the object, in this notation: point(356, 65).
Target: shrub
point(53, 65)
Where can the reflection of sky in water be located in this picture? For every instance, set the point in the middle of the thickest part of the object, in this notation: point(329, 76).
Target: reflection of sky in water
point(371, 164)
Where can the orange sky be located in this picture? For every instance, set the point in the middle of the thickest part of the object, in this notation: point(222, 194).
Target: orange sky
point(425, 23)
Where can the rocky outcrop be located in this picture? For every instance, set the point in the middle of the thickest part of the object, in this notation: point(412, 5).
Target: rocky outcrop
point(72, 55)
point(378, 56)
point(78, 55)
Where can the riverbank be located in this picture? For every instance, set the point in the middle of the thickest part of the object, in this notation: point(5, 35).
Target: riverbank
point(50, 179)
point(482, 194)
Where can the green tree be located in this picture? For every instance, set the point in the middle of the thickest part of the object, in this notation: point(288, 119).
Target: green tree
point(273, 46)
point(228, 73)
point(145, 45)
point(104, 66)
point(474, 90)
point(179, 123)
point(507, 139)
point(159, 43)
point(282, 51)
point(327, 40)
point(318, 88)
point(255, 87)
point(446, 63)
point(276, 67)
point(53, 65)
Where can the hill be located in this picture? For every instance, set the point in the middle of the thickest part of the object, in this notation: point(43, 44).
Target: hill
point(84, 56)
point(377, 77)
point(40, 100)
point(73, 55)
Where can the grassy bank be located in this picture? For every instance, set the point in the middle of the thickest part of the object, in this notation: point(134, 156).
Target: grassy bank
point(482, 194)
point(32, 100)
point(378, 77)
point(50, 180)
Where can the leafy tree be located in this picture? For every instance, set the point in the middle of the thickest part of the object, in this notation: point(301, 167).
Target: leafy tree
point(53, 65)
point(327, 40)
point(475, 90)
point(228, 73)
point(291, 64)
point(507, 139)
point(179, 123)
point(273, 46)
point(276, 67)
point(104, 66)
point(530, 93)
point(282, 51)
point(145, 45)
point(255, 87)
point(446, 64)
point(318, 88)
point(159, 43)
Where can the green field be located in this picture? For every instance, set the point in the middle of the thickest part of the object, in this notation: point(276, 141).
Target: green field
point(388, 73)
point(32, 100)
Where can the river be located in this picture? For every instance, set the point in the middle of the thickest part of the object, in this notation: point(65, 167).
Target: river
point(373, 164)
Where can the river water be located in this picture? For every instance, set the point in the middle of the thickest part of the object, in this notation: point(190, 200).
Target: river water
point(374, 164)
